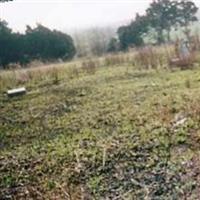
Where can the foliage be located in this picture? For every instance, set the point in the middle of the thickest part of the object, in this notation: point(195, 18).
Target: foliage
point(186, 15)
point(186, 12)
point(161, 16)
point(38, 43)
point(11, 45)
point(132, 34)
point(42, 43)
point(113, 45)
point(166, 14)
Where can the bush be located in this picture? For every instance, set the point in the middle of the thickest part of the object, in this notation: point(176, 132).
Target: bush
point(39, 43)
point(90, 66)
point(42, 43)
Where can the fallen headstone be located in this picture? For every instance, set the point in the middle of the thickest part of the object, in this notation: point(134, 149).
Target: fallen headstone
point(16, 92)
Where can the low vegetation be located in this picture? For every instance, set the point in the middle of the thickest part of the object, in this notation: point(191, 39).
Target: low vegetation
point(118, 131)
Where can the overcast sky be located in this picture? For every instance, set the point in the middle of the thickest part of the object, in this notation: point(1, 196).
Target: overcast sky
point(70, 14)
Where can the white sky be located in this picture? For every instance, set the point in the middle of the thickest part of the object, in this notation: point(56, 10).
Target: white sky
point(70, 14)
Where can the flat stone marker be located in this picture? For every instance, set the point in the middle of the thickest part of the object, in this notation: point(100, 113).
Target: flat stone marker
point(16, 92)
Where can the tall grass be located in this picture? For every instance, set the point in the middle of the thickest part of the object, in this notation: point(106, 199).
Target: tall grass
point(116, 59)
point(153, 57)
point(20, 77)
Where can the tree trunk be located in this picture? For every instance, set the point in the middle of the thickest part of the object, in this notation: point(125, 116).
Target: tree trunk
point(187, 32)
point(160, 38)
point(168, 35)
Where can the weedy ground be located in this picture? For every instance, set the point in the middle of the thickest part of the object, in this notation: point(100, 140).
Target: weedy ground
point(115, 133)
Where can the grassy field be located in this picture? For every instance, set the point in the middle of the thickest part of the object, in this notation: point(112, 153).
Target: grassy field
point(114, 133)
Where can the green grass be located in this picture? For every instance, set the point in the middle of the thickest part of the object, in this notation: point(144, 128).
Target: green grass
point(112, 134)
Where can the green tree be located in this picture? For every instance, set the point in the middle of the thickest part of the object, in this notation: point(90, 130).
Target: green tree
point(12, 45)
point(186, 14)
point(42, 43)
point(132, 35)
point(162, 16)
point(38, 43)
point(5, 43)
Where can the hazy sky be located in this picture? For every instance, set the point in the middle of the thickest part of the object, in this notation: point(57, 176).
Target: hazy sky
point(70, 14)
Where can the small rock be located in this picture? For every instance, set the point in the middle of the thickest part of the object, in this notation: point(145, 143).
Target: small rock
point(179, 120)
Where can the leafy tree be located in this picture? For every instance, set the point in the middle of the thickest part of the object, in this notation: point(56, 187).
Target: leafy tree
point(165, 14)
point(38, 43)
point(42, 43)
point(132, 34)
point(186, 14)
point(162, 15)
point(6, 43)
point(12, 45)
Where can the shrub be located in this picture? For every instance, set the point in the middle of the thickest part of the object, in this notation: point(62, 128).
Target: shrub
point(90, 66)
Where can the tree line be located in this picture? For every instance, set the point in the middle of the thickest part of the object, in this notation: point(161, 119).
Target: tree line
point(162, 16)
point(37, 43)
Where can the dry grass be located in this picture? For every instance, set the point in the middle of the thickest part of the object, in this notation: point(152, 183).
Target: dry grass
point(11, 78)
point(153, 57)
point(116, 59)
